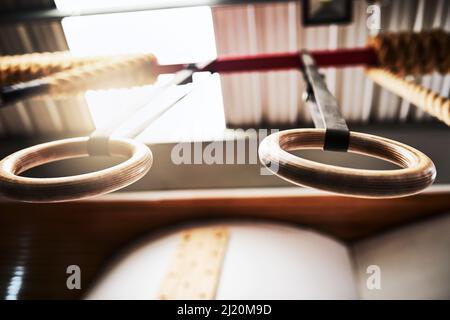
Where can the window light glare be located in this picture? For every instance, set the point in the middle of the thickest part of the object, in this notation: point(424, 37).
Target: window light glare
point(179, 35)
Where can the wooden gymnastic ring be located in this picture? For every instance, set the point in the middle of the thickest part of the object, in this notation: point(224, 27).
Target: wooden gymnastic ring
point(417, 171)
point(73, 187)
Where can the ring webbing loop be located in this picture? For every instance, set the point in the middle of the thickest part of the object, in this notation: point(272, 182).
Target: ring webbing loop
point(336, 140)
point(98, 146)
point(324, 107)
point(98, 143)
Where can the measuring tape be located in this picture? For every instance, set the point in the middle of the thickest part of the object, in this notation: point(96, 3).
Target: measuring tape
point(195, 270)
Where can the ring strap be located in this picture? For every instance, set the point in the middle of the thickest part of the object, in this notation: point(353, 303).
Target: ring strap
point(336, 139)
point(98, 146)
point(141, 117)
point(324, 107)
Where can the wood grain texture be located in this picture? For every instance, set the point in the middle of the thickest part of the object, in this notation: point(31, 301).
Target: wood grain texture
point(43, 239)
point(417, 173)
point(76, 187)
point(195, 270)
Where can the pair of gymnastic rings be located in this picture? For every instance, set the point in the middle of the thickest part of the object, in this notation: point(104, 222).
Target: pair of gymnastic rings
point(416, 173)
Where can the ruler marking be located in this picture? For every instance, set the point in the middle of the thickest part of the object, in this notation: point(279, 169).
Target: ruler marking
point(196, 267)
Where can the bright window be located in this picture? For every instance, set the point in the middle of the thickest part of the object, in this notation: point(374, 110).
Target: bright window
point(181, 35)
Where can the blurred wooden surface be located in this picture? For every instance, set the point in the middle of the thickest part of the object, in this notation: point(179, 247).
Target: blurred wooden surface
point(39, 241)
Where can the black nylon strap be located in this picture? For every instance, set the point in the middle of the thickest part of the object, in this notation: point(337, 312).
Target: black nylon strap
point(336, 140)
point(16, 92)
point(324, 107)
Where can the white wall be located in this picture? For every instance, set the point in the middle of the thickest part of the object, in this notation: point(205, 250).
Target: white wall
point(414, 261)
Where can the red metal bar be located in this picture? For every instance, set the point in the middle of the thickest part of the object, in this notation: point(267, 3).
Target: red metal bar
point(283, 61)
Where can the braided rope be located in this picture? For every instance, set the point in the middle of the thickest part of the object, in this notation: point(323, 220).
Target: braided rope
point(119, 72)
point(21, 68)
point(416, 94)
point(413, 53)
